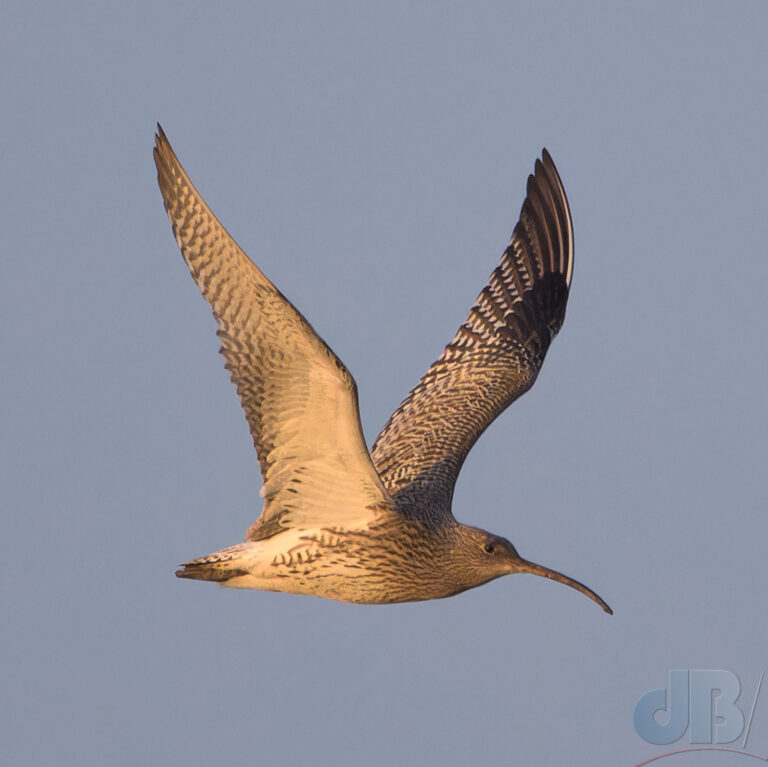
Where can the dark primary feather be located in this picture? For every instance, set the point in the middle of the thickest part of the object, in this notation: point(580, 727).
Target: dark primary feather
point(493, 359)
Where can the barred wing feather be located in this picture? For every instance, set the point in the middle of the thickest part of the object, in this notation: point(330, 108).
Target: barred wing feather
point(493, 359)
point(299, 399)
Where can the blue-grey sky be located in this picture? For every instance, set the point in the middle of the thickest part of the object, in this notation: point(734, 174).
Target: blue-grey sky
point(372, 159)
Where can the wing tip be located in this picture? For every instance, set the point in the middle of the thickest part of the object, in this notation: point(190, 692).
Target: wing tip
point(162, 148)
point(161, 140)
point(170, 173)
point(545, 182)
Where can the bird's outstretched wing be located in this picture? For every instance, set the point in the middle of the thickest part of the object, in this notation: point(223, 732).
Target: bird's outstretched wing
point(299, 399)
point(493, 359)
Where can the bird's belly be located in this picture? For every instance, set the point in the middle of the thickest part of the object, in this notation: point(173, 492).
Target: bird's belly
point(340, 585)
point(324, 564)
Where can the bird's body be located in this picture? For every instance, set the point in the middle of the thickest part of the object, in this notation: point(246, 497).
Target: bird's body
point(338, 521)
point(394, 561)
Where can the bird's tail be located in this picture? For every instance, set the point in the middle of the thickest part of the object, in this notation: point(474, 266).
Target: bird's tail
point(219, 567)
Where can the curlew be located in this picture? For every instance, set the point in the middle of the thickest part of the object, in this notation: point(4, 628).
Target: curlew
point(339, 521)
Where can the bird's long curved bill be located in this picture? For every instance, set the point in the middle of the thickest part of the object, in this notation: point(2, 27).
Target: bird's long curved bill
point(530, 567)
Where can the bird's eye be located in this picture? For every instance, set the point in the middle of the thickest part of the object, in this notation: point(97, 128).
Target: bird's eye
point(489, 548)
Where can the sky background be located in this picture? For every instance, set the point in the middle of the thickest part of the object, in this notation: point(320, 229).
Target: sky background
point(372, 160)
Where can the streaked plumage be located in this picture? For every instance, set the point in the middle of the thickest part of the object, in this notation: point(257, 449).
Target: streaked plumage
point(337, 521)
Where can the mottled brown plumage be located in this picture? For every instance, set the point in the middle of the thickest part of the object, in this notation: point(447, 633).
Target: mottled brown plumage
point(337, 521)
point(493, 359)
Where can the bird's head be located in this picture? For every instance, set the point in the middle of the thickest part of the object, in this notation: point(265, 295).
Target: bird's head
point(490, 556)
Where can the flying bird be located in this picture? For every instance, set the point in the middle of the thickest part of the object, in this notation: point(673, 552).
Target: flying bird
point(340, 521)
